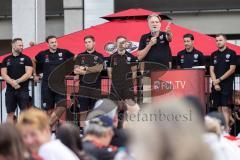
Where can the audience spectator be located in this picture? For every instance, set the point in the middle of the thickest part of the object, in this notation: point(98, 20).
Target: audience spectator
point(69, 135)
point(11, 144)
point(98, 135)
point(34, 124)
point(168, 130)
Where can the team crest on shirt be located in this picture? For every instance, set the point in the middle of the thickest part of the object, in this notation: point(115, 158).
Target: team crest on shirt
point(115, 61)
point(147, 41)
point(182, 58)
point(161, 37)
point(44, 105)
point(60, 54)
point(228, 56)
point(8, 62)
point(215, 60)
point(128, 60)
point(95, 58)
point(21, 61)
point(195, 56)
point(46, 58)
point(83, 60)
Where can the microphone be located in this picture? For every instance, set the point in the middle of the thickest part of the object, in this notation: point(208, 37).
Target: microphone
point(154, 32)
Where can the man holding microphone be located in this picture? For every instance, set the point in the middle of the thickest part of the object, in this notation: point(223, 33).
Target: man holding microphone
point(154, 46)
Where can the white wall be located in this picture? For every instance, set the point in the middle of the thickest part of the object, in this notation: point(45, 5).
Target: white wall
point(94, 9)
point(73, 15)
point(28, 20)
point(209, 23)
point(5, 29)
point(55, 26)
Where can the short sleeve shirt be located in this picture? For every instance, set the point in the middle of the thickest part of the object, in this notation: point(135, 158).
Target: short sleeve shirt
point(48, 61)
point(16, 68)
point(160, 52)
point(190, 59)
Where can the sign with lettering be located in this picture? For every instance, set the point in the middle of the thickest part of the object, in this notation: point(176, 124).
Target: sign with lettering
point(186, 82)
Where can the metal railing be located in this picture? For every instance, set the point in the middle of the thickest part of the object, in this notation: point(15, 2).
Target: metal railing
point(105, 91)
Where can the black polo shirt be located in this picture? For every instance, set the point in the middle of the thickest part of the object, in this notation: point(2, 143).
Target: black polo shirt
point(160, 52)
point(16, 68)
point(86, 59)
point(222, 61)
point(190, 59)
point(121, 67)
point(48, 61)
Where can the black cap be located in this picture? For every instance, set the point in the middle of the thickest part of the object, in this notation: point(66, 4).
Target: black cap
point(218, 116)
point(104, 121)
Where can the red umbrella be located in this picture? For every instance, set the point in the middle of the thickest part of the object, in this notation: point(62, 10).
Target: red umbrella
point(133, 14)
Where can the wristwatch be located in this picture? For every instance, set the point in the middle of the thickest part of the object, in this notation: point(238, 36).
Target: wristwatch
point(17, 80)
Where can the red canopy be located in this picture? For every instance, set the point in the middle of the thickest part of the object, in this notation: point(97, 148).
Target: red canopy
point(134, 14)
point(132, 29)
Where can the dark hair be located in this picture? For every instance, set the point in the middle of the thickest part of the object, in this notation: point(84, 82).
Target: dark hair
point(16, 39)
point(50, 37)
point(89, 36)
point(194, 103)
point(219, 35)
point(118, 37)
point(219, 116)
point(11, 142)
point(69, 135)
point(188, 35)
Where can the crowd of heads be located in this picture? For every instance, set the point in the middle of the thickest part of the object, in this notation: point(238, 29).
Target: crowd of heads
point(174, 129)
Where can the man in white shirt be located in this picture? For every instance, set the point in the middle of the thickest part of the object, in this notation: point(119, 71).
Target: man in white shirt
point(55, 150)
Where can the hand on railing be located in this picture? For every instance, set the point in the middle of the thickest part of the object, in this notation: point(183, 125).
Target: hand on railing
point(36, 79)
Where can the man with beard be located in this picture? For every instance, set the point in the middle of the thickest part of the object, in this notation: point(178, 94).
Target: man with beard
point(189, 57)
point(222, 69)
point(16, 71)
point(48, 60)
point(88, 66)
point(122, 74)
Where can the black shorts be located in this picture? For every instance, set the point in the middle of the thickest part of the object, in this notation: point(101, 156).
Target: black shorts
point(122, 92)
point(50, 98)
point(86, 104)
point(221, 98)
point(87, 97)
point(14, 98)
